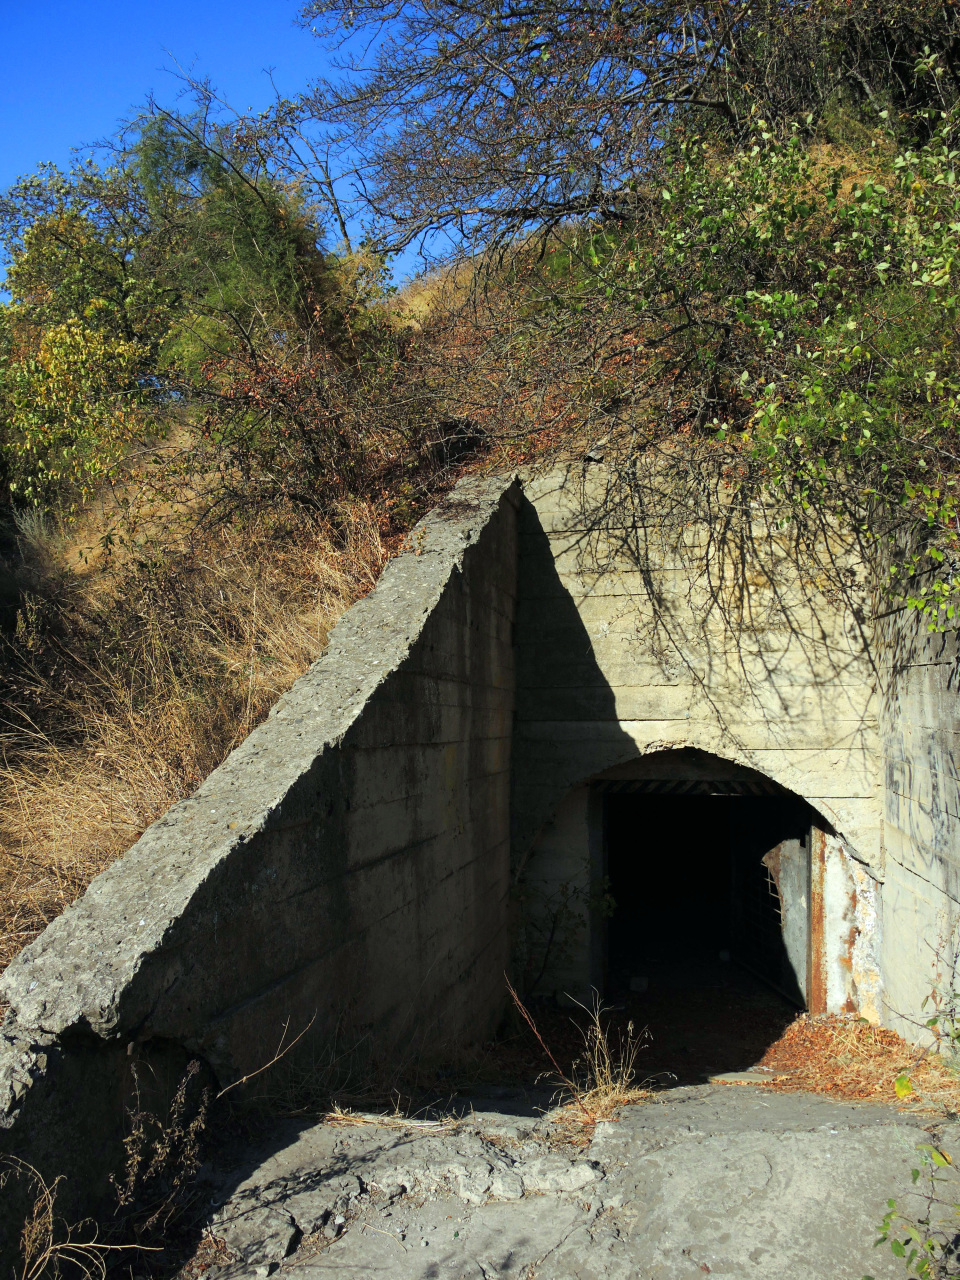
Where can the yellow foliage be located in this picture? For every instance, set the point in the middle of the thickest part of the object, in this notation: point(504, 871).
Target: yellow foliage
point(82, 365)
point(74, 406)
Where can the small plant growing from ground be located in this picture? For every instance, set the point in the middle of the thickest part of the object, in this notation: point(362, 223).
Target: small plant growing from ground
point(49, 1244)
point(943, 1002)
point(929, 1244)
point(603, 1078)
point(606, 1072)
point(157, 1189)
point(155, 1196)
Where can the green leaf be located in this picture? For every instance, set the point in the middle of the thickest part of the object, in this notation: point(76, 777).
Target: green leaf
point(939, 1158)
point(902, 1086)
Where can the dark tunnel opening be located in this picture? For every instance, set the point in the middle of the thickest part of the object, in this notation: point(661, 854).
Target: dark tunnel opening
point(707, 941)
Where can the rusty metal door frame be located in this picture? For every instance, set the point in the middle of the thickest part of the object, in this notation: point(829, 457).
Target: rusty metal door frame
point(816, 961)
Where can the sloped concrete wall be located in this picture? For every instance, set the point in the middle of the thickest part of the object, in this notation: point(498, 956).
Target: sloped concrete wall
point(349, 863)
point(920, 723)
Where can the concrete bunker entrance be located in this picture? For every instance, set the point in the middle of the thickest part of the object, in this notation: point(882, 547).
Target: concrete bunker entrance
point(704, 919)
point(702, 878)
point(709, 937)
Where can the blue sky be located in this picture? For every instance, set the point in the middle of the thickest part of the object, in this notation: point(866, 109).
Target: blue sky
point(72, 70)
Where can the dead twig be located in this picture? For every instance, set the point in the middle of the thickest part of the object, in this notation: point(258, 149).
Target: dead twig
point(282, 1052)
point(367, 1226)
point(564, 1078)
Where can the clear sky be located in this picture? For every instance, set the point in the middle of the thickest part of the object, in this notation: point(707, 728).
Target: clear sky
point(72, 69)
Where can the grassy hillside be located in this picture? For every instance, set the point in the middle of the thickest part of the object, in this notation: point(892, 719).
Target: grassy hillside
point(128, 680)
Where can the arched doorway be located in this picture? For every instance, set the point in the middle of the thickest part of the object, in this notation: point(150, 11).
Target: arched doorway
point(704, 874)
point(687, 891)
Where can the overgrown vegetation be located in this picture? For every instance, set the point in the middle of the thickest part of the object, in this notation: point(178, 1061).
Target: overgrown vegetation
point(200, 477)
point(126, 684)
point(926, 1243)
point(719, 239)
point(715, 243)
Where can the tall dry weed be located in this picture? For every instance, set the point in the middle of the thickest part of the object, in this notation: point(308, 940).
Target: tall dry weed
point(603, 1077)
point(127, 683)
point(50, 1245)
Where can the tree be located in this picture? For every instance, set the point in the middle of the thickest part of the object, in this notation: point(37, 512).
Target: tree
point(82, 334)
point(176, 316)
point(715, 237)
point(479, 121)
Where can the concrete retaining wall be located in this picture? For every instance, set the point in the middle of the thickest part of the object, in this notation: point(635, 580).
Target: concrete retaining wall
point(348, 863)
point(625, 649)
point(920, 724)
point(351, 862)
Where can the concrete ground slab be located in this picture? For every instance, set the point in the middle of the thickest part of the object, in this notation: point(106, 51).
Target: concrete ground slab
point(743, 1077)
point(711, 1180)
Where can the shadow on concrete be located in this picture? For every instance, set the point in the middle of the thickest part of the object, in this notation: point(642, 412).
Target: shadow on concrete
point(699, 1014)
point(563, 699)
point(695, 925)
point(716, 576)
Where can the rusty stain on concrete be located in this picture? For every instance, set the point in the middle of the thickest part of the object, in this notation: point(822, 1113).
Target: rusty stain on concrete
point(817, 968)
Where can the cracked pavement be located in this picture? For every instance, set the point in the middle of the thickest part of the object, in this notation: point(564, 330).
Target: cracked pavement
point(721, 1180)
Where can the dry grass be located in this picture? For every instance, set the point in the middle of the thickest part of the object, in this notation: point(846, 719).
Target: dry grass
point(49, 1245)
point(127, 684)
point(606, 1073)
point(344, 1118)
point(437, 291)
point(603, 1078)
point(157, 1192)
point(847, 1058)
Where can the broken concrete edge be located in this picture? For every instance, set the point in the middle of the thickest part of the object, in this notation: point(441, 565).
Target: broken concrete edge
point(753, 1075)
point(707, 1178)
point(261, 1225)
point(81, 975)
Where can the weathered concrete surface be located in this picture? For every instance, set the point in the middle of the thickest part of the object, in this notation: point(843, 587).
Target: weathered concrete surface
point(649, 649)
point(721, 1180)
point(920, 723)
point(346, 870)
point(632, 640)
